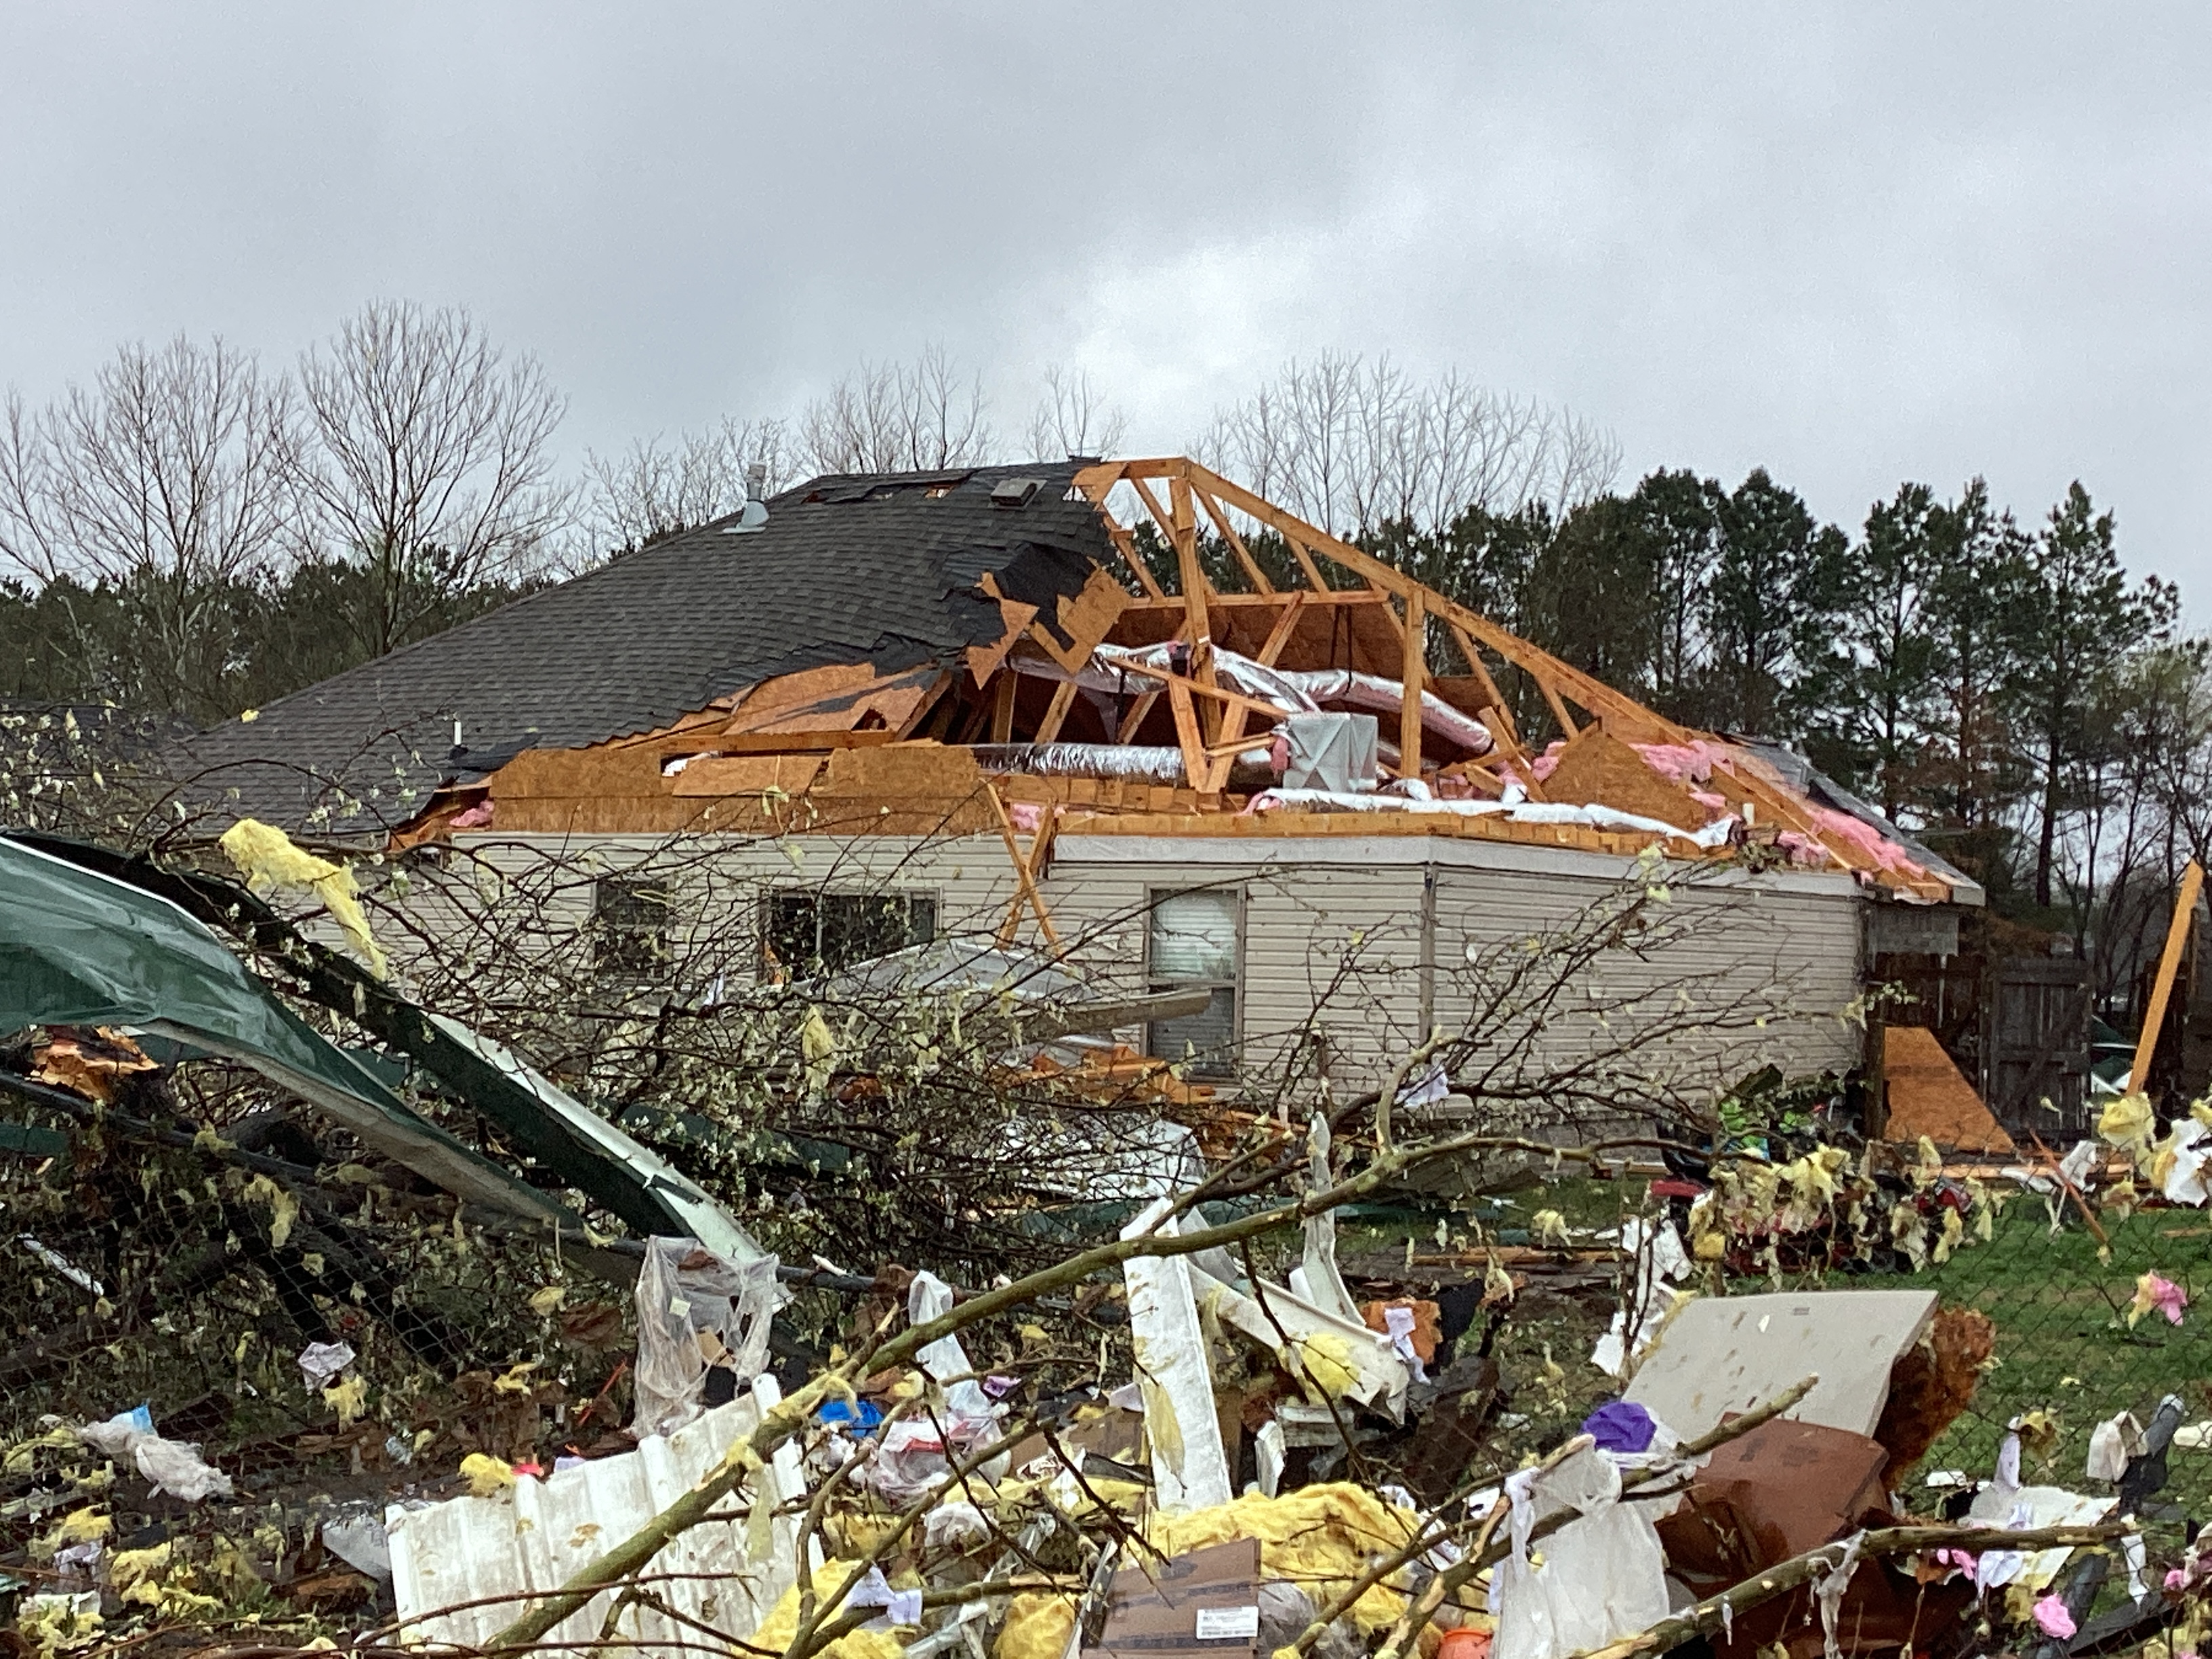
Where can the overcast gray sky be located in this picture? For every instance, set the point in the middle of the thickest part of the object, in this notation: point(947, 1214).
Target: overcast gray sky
point(1852, 244)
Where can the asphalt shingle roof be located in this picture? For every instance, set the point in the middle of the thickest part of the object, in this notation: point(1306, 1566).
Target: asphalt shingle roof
point(882, 568)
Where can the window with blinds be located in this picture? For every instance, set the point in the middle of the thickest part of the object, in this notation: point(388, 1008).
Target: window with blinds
point(1196, 939)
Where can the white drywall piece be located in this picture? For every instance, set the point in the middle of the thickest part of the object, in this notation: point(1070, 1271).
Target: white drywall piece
point(1190, 1471)
point(1722, 1354)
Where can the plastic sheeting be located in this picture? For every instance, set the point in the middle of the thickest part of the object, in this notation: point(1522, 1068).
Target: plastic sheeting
point(1712, 836)
point(691, 1304)
point(172, 1465)
point(1601, 1576)
point(1659, 1257)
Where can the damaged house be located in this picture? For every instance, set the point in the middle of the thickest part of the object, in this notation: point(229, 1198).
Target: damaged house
point(1125, 711)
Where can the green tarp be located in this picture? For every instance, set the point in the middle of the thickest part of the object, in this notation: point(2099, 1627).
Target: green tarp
point(77, 948)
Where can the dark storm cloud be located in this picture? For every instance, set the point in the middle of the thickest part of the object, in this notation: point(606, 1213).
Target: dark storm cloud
point(1852, 245)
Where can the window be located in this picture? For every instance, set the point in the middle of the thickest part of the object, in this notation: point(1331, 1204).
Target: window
point(1195, 940)
point(808, 932)
point(630, 918)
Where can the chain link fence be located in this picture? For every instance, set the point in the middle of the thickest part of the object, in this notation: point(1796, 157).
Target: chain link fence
point(2062, 1301)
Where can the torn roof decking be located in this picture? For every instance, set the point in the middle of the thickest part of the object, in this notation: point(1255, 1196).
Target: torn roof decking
point(842, 669)
point(861, 747)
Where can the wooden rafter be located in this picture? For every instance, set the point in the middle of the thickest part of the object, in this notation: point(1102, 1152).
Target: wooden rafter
point(1183, 531)
point(1055, 714)
point(1475, 666)
point(1093, 483)
point(1555, 678)
point(1413, 677)
point(1027, 867)
point(1193, 487)
point(1279, 634)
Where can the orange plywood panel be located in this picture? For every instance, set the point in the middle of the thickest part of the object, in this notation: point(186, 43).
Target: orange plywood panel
point(746, 774)
point(1596, 768)
point(1929, 1095)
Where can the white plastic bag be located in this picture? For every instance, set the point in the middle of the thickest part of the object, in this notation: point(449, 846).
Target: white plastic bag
point(178, 1469)
point(691, 1301)
point(172, 1465)
point(2185, 1182)
point(930, 1298)
point(2112, 1444)
point(319, 1362)
point(1604, 1575)
point(1659, 1257)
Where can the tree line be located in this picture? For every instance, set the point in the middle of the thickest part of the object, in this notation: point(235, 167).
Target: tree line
point(1986, 683)
point(193, 532)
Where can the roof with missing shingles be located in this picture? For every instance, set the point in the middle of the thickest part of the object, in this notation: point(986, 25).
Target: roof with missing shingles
point(881, 567)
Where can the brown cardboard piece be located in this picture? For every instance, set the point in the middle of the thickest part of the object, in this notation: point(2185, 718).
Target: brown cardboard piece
point(1783, 1489)
point(1172, 1609)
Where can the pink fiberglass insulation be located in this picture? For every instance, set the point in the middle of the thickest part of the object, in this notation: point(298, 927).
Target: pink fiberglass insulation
point(1684, 763)
point(1843, 827)
point(1802, 848)
point(1545, 764)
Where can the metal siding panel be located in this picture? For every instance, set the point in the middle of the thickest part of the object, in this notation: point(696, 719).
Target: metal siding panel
point(493, 1550)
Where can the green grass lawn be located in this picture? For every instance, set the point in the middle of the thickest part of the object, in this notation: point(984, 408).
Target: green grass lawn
point(2062, 1342)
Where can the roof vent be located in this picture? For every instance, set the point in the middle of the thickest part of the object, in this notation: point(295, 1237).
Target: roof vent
point(1015, 492)
point(753, 516)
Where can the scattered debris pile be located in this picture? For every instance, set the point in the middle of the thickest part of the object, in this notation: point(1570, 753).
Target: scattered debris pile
point(407, 1345)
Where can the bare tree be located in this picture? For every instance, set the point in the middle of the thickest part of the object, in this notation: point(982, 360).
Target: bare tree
point(1352, 446)
point(657, 488)
point(899, 417)
point(1073, 417)
point(426, 464)
point(165, 481)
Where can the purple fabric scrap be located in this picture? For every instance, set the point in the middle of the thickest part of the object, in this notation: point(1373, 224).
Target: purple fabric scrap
point(1619, 1426)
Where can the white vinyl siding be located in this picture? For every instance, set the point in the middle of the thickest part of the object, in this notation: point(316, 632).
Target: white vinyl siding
point(1333, 966)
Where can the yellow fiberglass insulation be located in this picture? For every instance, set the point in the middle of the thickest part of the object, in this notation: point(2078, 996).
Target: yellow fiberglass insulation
point(1319, 1538)
point(1038, 1625)
point(777, 1631)
point(2130, 1124)
point(1325, 1359)
point(267, 857)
